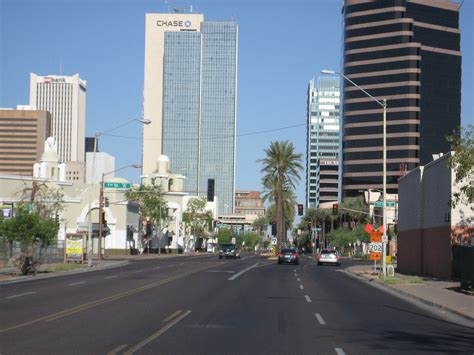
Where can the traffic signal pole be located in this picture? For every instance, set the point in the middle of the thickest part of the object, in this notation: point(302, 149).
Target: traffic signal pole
point(101, 218)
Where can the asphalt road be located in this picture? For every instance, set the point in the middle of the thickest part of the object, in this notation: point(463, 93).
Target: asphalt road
point(203, 305)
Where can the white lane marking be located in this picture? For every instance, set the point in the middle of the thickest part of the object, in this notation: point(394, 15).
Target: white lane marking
point(339, 351)
point(226, 271)
point(171, 316)
point(156, 268)
point(294, 270)
point(77, 283)
point(111, 277)
point(296, 275)
point(320, 319)
point(21, 294)
point(233, 277)
point(297, 279)
point(302, 287)
point(117, 349)
point(307, 298)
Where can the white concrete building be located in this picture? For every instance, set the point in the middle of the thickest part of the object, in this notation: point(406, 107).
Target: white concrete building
point(64, 97)
point(103, 163)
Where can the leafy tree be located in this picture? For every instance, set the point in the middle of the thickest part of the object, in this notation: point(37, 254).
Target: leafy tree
point(281, 168)
point(224, 235)
point(29, 228)
point(462, 161)
point(261, 225)
point(152, 204)
point(356, 210)
point(197, 217)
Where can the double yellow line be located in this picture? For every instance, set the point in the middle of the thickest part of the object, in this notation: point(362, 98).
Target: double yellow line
point(80, 308)
point(172, 319)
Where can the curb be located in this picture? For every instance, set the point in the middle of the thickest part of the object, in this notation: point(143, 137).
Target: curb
point(61, 273)
point(447, 313)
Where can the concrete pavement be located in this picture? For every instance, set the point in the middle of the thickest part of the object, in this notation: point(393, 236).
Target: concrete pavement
point(432, 292)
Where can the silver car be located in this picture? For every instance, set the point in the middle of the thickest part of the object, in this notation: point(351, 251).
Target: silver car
point(327, 256)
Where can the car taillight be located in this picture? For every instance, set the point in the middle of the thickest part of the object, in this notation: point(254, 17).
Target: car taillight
point(294, 254)
point(280, 254)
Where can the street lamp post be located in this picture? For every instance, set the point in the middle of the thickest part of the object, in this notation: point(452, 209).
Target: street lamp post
point(101, 204)
point(97, 135)
point(383, 104)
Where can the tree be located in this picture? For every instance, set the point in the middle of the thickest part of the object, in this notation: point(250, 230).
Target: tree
point(224, 235)
point(30, 229)
point(356, 210)
point(197, 217)
point(281, 168)
point(462, 161)
point(152, 204)
point(261, 225)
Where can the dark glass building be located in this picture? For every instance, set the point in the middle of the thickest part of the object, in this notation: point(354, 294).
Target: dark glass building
point(407, 52)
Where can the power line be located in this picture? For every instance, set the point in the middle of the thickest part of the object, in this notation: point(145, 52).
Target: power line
point(208, 137)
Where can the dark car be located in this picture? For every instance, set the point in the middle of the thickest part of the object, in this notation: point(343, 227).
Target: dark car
point(229, 250)
point(289, 256)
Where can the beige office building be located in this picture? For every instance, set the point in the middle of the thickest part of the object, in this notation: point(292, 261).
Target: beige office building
point(156, 25)
point(65, 98)
point(22, 136)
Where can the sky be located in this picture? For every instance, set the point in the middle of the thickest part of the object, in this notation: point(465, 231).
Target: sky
point(282, 45)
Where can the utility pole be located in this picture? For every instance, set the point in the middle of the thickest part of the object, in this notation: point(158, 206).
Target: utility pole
point(101, 218)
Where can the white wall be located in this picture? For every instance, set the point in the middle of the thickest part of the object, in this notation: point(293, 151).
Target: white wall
point(104, 163)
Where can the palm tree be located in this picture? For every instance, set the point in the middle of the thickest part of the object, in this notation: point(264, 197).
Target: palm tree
point(281, 168)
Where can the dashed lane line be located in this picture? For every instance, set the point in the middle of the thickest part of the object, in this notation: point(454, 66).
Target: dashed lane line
point(301, 287)
point(77, 283)
point(297, 279)
point(171, 316)
point(21, 295)
point(320, 319)
point(339, 351)
point(307, 298)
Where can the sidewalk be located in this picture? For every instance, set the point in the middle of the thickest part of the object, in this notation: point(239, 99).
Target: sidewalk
point(429, 291)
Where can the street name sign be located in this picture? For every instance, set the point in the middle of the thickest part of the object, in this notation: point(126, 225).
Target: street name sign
point(118, 185)
point(380, 204)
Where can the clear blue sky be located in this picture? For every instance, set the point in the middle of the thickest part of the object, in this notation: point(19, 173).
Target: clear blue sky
point(282, 45)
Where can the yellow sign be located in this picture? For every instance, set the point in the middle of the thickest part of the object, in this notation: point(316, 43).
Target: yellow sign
point(74, 247)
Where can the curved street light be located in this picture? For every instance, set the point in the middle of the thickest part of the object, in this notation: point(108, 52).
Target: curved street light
point(142, 120)
point(383, 104)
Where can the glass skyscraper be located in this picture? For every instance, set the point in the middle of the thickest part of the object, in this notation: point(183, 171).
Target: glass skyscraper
point(322, 144)
point(199, 108)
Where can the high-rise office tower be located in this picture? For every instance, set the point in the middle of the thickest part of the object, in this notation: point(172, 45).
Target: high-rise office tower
point(190, 96)
point(64, 97)
point(407, 52)
point(322, 142)
point(22, 137)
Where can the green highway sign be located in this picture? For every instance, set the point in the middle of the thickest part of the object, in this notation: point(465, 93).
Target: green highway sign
point(380, 204)
point(316, 229)
point(117, 185)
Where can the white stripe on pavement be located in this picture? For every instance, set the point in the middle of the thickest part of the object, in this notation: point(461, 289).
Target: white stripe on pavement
point(339, 351)
point(233, 277)
point(77, 283)
point(21, 294)
point(307, 298)
point(110, 277)
point(297, 279)
point(302, 287)
point(171, 316)
point(320, 319)
point(156, 268)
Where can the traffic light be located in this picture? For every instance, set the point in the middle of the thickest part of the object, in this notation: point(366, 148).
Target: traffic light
point(148, 228)
point(300, 210)
point(104, 221)
point(274, 227)
point(210, 190)
point(334, 209)
point(106, 202)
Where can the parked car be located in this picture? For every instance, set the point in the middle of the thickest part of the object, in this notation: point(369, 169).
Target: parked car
point(327, 256)
point(229, 250)
point(289, 256)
